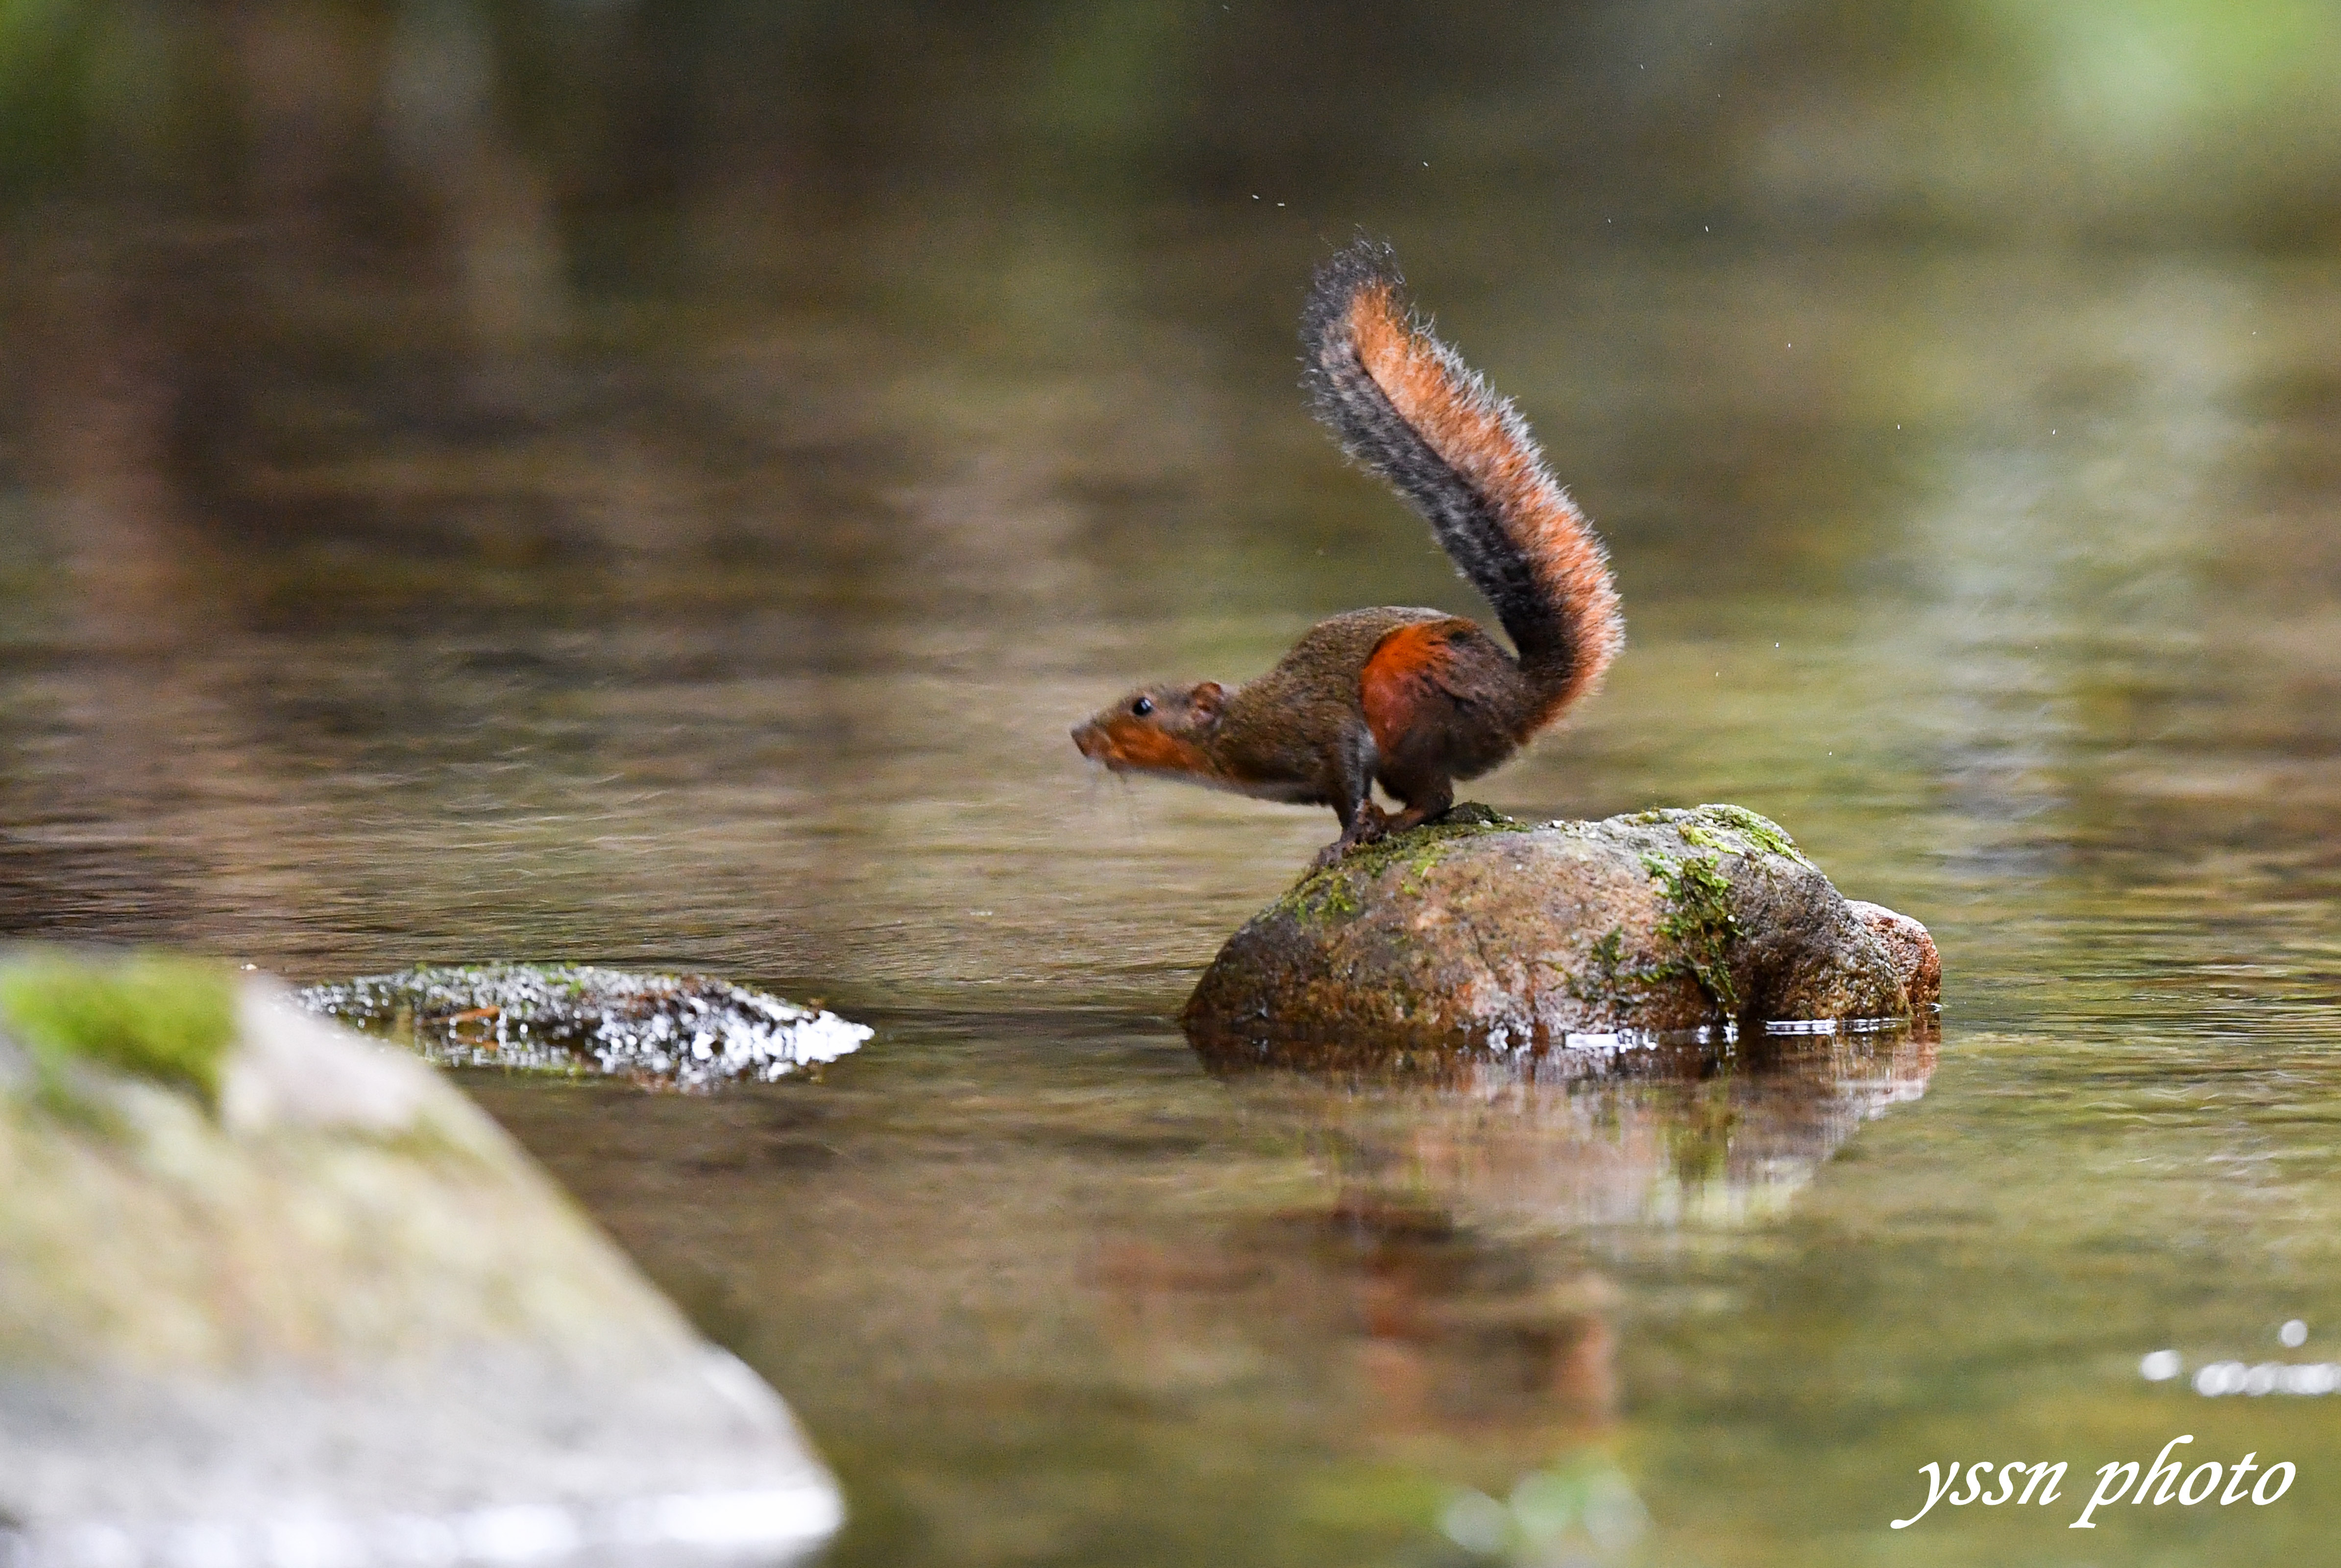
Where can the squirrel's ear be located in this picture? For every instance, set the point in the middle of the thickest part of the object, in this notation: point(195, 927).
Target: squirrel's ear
point(1208, 699)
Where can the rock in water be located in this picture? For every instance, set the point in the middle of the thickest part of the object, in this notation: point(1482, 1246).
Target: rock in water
point(1478, 935)
point(1912, 950)
point(662, 1031)
point(273, 1293)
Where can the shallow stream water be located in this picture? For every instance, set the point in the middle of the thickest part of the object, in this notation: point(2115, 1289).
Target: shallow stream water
point(735, 626)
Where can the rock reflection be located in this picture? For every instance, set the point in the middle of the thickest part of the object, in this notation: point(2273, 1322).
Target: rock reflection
point(1678, 1133)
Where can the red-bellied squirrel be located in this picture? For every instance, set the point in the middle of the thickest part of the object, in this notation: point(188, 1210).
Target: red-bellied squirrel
point(1412, 699)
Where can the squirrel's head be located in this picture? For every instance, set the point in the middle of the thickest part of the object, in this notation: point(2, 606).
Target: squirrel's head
point(1156, 729)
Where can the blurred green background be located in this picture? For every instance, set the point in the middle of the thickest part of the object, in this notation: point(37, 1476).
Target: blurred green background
point(2157, 122)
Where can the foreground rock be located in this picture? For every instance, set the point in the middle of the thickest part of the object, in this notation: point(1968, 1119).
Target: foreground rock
point(271, 1294)
point(1483, 935)
point(658, 1030)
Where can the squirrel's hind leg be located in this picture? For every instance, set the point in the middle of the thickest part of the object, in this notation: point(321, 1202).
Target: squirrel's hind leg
point(1422, 805)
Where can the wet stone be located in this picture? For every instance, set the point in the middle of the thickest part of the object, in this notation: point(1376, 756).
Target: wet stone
point(662, 1031)
point(1913, 951)
point(1566, 943)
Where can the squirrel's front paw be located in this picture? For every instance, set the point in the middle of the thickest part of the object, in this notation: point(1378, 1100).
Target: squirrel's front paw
point(1370, 823)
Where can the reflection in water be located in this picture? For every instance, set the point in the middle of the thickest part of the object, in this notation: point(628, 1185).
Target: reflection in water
point(1430, 1266)
point(1723, 1139)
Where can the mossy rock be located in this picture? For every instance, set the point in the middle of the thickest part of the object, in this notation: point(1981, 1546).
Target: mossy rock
point(164, 1018)
point(1481, 934)
point(254, 1267)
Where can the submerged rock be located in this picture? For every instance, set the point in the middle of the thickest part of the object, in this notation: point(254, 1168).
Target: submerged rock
point(1480, 935)
point(681, 1031)
point(272, 1293)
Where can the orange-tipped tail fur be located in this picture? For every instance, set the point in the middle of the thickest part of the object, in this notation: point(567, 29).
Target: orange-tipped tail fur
point(1406, 406)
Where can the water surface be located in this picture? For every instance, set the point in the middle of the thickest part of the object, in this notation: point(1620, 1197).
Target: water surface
point(734, 620)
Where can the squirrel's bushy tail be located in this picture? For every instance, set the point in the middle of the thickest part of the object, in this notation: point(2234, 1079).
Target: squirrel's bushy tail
point(1406, 406)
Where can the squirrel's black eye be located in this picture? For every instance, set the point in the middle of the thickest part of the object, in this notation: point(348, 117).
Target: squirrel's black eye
point(1142, 707)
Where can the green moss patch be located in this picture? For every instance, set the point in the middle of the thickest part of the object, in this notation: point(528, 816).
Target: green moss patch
point(1334, 892)
point(1726, 829)
point(1698, 924)
point(1610, 983)
point(168, 1019)
point(1760, 831)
